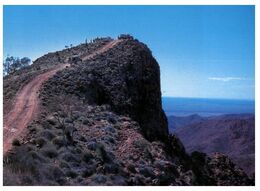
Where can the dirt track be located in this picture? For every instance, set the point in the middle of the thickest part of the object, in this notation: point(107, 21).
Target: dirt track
point(101, 50)
point(26, 104)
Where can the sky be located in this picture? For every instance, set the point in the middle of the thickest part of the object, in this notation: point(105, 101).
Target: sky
point(203, 51)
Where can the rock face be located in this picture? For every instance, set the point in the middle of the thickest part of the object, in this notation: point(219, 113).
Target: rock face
point(133, 86)
point(102, 124)
point(127, 78)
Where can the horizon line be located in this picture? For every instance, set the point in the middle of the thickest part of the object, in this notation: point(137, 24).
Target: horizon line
point(242, 99)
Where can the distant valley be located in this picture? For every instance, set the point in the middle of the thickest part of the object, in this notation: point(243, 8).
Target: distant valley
point(231, 134)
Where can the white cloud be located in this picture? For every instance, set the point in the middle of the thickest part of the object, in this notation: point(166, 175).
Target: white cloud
point(225, 79)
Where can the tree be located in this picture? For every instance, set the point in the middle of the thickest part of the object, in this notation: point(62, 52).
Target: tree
point(16, 65)
point(7, 65)
point(25, 61)
point(12, 64)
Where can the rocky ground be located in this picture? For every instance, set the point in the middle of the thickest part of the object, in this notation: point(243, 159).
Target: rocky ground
point(102, 124)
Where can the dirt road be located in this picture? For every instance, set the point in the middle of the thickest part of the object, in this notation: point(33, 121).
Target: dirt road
point(101, 50)
point(25, 107)
point(26, 104)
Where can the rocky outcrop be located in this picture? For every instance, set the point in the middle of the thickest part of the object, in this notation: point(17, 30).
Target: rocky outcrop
point(225, 172)
point(102, 124)
point(127, 78)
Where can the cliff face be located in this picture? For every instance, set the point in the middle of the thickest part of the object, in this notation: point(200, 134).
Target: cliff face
point(127, 78)
point(102, 123)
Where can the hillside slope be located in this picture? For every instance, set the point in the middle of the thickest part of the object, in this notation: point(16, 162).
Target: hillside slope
point(26, 104)
point(175, 122)
point(25, 108)
point(233, 135)
point(102, 123)
point(16, 81)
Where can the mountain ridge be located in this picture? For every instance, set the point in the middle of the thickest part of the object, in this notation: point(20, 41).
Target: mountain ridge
point(102, 123)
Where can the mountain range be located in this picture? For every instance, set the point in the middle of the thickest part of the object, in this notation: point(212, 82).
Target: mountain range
point(232, 134)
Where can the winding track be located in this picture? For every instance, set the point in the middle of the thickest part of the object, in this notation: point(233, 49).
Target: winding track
point(26, 104)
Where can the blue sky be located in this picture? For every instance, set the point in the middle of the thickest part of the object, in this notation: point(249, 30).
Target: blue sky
point(203, 51)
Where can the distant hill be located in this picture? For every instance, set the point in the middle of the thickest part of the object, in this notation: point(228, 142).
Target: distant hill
point(175, 122)
point(233, 135)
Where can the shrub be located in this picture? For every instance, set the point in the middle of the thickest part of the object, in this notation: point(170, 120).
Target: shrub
point(76, 114)
point(92, 145)
point(40, 142)
point(58, 141)
point(102, 153)
point(112, 120)
point(51, 121)
point(87, 156)
point(50, 152)
point(110, 129)
point(119, 180)
point(86, 122)
point(126, 37)
point(68, 120)
point(70, 157)
point(99, 179)
point(87, 172)
point(46, 124)
point(21, 161)
point(146, 171)
point(16, 142)
point(30, 147)
point(64, 164)
point(36, 156)
point(111, 168)
point(82, 138)
point(131, 168)
point(47, 134)
point(57, 173)
point(198, 158)
point(71, 174)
